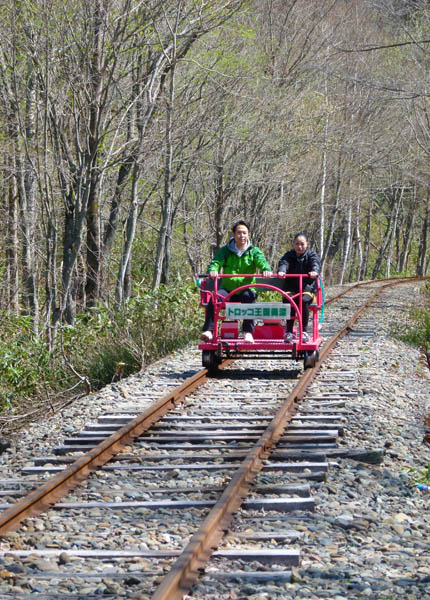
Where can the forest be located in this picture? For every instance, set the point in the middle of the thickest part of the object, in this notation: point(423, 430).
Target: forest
point(135, 132)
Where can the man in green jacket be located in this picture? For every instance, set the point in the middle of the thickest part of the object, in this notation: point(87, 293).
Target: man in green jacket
point(239, 257)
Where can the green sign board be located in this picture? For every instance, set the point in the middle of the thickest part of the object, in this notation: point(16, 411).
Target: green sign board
point(258, 310)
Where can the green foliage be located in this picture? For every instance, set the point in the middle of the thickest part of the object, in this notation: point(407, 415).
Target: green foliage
point(24, 361)
point(94, 350)
point(268, 296)
point(164, 319)
point(105, 345)
point(101, 346)
point(417, 331)
point(421, 475)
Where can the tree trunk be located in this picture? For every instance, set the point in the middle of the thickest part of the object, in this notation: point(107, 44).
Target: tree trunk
point(324, 167)
point(347, 243)
point(422, 248)
point(122, 290)
point(12, 269)
point(389, 232)
point(393, 234)
point(331, 224)
point(219, 192)
point(29, 212)
point(161, 260)
point(406, 238)
point(51, 243)
point(358, 245)
point(363, 272)
point(112, 223)
point(274, 242)
point(92, 287)
point(74, 219)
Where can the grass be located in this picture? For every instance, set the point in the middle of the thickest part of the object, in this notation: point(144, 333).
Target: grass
point(420, 475)
point(102, 346)
point(416, 331)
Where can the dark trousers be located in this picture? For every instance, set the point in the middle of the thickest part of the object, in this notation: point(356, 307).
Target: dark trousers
point(307, 298)
point(247, 296)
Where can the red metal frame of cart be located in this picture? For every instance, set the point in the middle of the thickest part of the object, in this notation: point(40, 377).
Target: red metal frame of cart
point(269, 332)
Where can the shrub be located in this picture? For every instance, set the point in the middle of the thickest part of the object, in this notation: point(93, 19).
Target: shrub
point(104, 344)
point(417, 330)
point(101, 346)
point(25, 360)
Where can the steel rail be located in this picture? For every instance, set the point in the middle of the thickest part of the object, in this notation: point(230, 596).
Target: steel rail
point(185, 571)
point(61, 484)
point(390, 280)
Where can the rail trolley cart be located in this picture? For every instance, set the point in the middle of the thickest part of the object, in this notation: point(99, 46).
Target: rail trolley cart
point(269, 318)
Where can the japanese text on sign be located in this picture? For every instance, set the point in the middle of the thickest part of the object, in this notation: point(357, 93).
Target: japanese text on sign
point(259, 310)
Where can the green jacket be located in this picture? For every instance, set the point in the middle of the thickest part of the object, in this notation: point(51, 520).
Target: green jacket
point(227, 259)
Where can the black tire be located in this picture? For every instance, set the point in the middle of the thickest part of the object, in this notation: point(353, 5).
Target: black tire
point(210, 362)
point(311, 359)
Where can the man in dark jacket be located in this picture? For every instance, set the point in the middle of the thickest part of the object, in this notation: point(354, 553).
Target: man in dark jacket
point(300, 260)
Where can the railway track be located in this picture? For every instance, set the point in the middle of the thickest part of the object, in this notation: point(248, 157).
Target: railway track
point(246, 454)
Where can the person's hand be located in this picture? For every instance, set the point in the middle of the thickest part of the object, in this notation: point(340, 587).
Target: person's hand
point(281, 273)
point(313, 274)
point(267, 273)
point(213, 274)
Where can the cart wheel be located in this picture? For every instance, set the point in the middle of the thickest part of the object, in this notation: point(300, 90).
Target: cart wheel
point(311, 359)
point(210, 361)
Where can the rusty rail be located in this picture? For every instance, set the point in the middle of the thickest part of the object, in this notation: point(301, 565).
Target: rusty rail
point(185, 570)
point(390, 280)
point(59, 485)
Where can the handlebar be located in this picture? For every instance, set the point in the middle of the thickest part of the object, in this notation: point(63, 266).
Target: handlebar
point(273, 275)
